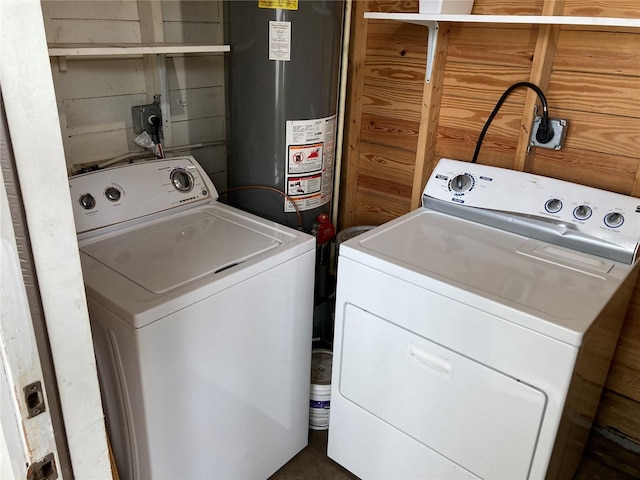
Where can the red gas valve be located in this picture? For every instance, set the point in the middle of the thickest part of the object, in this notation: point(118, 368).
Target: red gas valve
point(324, 229)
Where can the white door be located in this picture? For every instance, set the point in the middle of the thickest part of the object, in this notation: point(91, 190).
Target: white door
point(36, 145)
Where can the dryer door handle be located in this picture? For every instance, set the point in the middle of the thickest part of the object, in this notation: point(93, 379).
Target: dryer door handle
point(435, 363)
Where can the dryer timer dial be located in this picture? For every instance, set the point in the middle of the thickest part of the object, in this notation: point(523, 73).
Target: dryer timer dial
point(461, 183)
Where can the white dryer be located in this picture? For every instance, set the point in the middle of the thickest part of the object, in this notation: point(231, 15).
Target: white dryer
point(473, 335)
point(202, 319)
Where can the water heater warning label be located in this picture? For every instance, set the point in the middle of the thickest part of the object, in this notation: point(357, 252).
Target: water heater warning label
point(310, 159)
point(304, 185)
point(281, 4)
point(305, 158)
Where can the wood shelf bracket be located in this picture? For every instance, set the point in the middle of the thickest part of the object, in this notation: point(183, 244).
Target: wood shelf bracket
point(431, 47)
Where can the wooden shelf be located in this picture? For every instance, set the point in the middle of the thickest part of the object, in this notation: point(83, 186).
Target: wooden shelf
point(93, 50)
point(426, 19)
point(431, 21)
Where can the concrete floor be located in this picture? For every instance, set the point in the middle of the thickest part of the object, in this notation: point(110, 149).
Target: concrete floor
point(312, 463)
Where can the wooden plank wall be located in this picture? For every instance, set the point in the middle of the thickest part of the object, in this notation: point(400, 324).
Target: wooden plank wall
point(95, 95)
point(594, 82)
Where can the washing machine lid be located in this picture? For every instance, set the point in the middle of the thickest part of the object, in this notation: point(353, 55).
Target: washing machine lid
point(554, 290)
point(184, 248)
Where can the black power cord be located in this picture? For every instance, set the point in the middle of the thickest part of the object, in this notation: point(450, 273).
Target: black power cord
point(155, 122)
point(545, 131)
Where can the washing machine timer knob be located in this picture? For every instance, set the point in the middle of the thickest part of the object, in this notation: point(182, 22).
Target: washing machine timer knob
point(87, 201)
point(182, 180)
point(461, 183)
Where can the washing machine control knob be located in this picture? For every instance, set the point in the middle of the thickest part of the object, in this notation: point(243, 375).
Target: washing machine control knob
point(182, 180)
point(87, 201)
point(461, 183)
point(613, 220)
point(112, 194)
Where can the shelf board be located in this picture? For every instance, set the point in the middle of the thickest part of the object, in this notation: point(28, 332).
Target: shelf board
point(426, 19)
point(92, 50)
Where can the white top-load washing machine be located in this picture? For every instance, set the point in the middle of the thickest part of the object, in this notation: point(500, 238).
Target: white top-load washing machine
point(202, 319)
point(473, 335)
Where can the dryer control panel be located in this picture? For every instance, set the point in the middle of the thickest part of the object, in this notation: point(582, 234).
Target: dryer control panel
point(119, 194)
point(564, 213)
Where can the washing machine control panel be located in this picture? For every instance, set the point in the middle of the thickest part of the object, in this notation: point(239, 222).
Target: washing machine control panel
point(119, 194)
point(521, 198)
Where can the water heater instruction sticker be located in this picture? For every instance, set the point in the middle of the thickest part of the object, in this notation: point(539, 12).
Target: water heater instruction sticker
point(310, 158)
point(280, 41)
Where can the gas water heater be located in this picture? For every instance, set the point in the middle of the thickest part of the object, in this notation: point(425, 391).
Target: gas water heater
point(283, 85)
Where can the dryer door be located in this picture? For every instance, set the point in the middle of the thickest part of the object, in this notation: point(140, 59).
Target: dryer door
point(476, 417)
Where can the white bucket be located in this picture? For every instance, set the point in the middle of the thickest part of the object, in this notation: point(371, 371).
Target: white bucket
point(460, 7)
point(320, 398)
point(348, 234)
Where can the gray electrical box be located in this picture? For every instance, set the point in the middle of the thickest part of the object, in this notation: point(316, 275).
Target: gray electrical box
point(143, 114)
point(559, 127)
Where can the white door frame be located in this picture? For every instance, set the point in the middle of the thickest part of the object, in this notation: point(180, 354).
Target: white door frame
point(27, 440)
point(32, 117)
